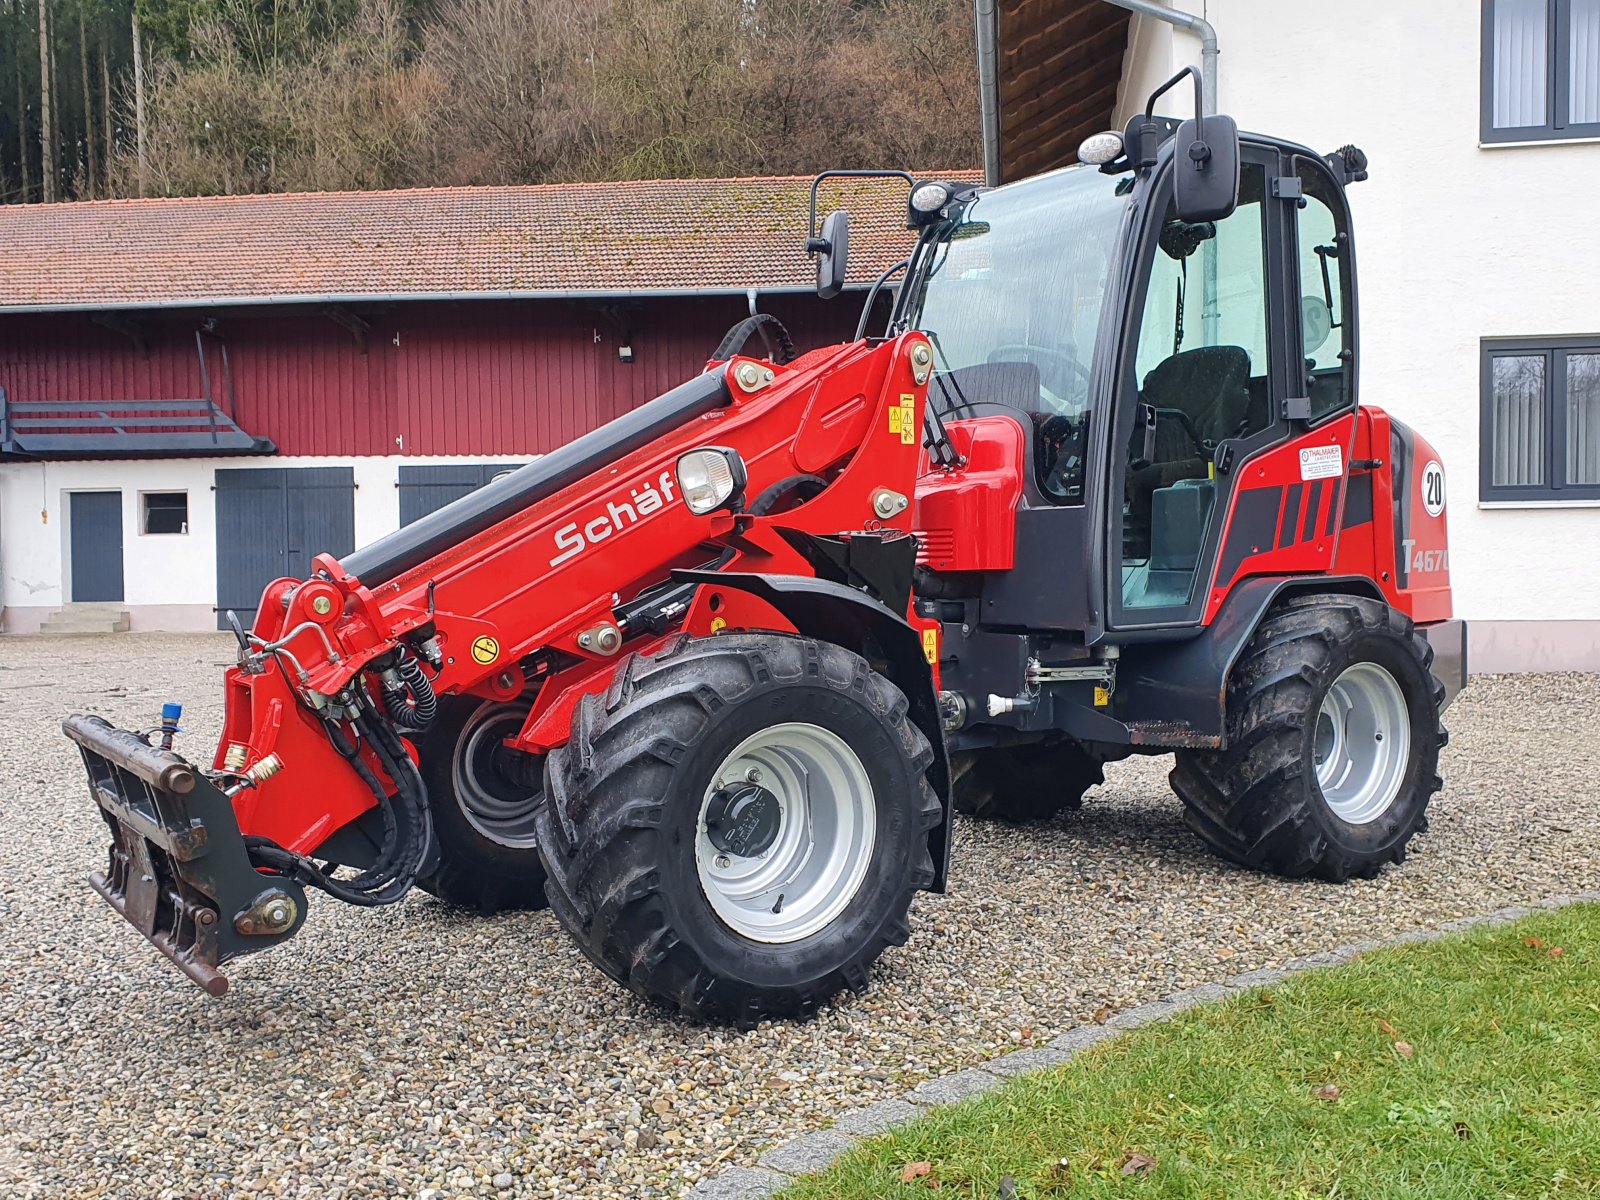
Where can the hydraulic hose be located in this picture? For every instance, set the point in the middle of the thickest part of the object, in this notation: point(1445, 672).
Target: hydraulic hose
point(408, 828)
point(424, 706)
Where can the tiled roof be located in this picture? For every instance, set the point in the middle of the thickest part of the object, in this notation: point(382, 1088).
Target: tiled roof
point(661, 236)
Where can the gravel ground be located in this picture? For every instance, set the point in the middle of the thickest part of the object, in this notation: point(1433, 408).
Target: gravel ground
point(414, 1051)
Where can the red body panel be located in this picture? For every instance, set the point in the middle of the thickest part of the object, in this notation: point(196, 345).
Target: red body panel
point(1290, 516)
point(967, 519)
point(538, 579)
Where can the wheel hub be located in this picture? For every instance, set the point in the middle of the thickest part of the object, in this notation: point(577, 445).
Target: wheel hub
point(1362, 743)
point(743, 820)
point(786, 833)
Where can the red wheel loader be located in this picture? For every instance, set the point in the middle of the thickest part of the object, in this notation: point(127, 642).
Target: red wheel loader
point(711, 679)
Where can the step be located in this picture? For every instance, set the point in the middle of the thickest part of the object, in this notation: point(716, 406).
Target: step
point(84, 619)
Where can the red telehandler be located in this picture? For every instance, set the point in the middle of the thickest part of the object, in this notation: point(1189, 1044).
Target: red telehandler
point(711, 679)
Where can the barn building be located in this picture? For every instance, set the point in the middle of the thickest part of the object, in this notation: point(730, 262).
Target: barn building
point(198, 395)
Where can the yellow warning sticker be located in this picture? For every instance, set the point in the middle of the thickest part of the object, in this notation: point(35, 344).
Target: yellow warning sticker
point(930, 645)
point(485, 650)
point(894, 420)
point(908, 419)
point(1101, 697)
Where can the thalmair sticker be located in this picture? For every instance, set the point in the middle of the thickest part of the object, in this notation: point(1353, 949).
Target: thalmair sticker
point(1321, 462)
point(485, 650)
point(1433, 487)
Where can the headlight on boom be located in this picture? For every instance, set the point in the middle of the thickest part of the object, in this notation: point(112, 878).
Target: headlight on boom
point(710, 478)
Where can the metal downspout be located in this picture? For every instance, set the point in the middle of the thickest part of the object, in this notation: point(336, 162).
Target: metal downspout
point(1210, 313)
point(988, 89)
point(1196, 25)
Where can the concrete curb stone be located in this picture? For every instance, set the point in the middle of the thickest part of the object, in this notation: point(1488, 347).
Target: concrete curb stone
point(814, 1151)
point(954, 1088)
point(808, 1153)
point(739, 1183)
point(1035, 1058)
point(878, 1118)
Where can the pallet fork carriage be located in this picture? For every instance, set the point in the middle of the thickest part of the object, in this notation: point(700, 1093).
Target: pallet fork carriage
point(711, 680)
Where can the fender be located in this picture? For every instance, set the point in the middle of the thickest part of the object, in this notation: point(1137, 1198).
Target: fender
point(851, 618)
point(1175, 693)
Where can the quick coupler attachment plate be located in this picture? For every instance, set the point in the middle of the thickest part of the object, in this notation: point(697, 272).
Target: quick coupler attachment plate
point(179, 871)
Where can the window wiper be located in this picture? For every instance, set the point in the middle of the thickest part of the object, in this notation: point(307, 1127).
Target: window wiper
point(947, 380)
point(935, 436)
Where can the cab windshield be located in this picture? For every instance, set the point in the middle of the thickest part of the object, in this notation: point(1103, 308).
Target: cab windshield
point(1009, 292)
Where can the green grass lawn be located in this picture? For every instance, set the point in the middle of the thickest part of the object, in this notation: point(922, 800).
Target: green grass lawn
point(1456, 1069)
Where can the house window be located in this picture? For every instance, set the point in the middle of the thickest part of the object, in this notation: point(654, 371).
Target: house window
point(1540, 429)
point(1541, 69)
point(163, 512)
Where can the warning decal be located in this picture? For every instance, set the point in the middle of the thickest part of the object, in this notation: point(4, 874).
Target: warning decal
point(485, 650)
point(907, 423)
point(1321, 462)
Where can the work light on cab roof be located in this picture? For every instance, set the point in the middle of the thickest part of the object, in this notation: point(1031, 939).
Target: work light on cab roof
point(1100, 148)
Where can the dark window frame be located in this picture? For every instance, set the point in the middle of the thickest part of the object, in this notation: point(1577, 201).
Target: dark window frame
point(1554, 350)
point(1338, 203)
point(1558, 70)
point(145, 509)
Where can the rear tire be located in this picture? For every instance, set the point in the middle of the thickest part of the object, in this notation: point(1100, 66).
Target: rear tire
point(482, 797)
point(630, 807)
point(1333, 743)
point(1022, 784)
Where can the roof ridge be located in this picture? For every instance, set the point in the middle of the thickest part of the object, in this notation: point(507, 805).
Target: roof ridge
point(439, 190)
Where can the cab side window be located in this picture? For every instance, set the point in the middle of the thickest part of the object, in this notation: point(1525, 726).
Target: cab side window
point(1324, 288)
point(1202, 371)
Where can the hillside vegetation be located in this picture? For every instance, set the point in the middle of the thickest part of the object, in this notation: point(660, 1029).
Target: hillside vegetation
point(115, 98)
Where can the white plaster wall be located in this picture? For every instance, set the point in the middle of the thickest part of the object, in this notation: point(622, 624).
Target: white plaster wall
point(1455, 243)
point(162, 569)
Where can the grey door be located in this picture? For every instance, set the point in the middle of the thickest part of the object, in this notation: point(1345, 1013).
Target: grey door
point(96, 545)
point(271, 523)
point(424, 489)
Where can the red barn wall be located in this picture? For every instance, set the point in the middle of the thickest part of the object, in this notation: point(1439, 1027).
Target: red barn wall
point(478, 378)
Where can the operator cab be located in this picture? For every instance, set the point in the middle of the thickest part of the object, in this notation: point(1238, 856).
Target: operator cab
point(1149, 339)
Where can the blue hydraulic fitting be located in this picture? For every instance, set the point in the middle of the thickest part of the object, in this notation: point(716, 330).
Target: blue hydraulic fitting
point(170, 714)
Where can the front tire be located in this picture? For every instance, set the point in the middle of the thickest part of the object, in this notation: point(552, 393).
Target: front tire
point(737, 827)
point(1333, 743)
point(482, 796)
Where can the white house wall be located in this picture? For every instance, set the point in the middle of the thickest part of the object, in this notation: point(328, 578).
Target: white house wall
point(1455, 244)
point(169, 580)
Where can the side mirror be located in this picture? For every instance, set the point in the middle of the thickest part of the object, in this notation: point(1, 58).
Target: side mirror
point(1205, 169)
point(831, 250)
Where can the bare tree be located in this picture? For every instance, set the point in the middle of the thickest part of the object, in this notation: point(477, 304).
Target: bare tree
point(22, 112)
point(47, 143)
point(516, 74)
point(90, 150)
point(138, 100)
point(106, 142)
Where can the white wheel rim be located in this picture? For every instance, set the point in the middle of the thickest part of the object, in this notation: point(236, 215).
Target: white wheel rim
point(1362, 743)
point(826, 830)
